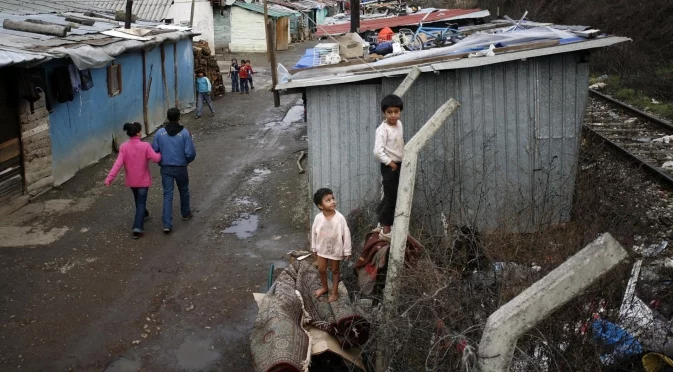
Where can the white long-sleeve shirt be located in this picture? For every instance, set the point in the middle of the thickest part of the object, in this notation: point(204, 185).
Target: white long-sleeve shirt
point(331, 238)
point(389, 143)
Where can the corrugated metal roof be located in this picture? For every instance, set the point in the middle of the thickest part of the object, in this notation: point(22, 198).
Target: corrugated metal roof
point(406, 20)
point(305, 5)
point(151, 10)
point(20, 47)
point(275, 11)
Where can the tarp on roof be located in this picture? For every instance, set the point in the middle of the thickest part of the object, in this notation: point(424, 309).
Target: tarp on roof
point(274, 11)
point(406, 20)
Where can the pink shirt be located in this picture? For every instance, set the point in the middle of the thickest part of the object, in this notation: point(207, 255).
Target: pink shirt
point(134, 155)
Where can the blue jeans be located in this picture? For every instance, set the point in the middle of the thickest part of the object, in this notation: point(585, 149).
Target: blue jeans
point(199, 102)
point(140, 197)
point(174, 175)
point(234, 83)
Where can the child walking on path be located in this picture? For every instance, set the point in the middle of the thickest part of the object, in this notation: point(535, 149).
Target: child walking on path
point(251, 71)
point(389, 150)
point(330, 239)
point(233, 73)
point(203, 88)
point(244, 73)
point(134, 155)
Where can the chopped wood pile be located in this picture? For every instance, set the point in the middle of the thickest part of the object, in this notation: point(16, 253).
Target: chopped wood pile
point(204, 60)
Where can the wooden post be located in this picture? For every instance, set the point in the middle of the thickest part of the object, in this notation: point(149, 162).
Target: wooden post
point(355, 16)
point(129, 10)
point(163, 74)
point(191, 18)
point(274, 72)
point(175, 66)
point(267, 30)
point(408, 81)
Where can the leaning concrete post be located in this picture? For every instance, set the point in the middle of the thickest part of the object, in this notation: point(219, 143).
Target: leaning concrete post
point(408, 81)
point(512, 320)
point(405, 195)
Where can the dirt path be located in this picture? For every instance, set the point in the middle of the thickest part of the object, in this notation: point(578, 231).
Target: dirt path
point(77, 293)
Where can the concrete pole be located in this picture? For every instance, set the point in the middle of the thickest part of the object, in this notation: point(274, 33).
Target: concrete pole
point(405, 195)
point(408, 81)
point(512, 320)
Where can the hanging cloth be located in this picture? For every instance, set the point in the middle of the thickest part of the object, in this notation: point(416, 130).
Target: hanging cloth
point(74, 78)
point(27, 89)
point(85, 77)
point(61, 84)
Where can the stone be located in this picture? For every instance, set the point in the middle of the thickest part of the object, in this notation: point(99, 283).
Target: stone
point(33, 177)
point(37, 115)
point(40, 185)
point(32, 125)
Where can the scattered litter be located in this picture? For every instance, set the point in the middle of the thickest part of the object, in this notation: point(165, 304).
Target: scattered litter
point(613, 335)
point(602, 78)
point(651, 250)
point(136, 342)
point(143, 335)
point(664, 139)
point(145, 326)
point(190, 307)
point(84, 229)
point(654, 101)
point(598, 86)
point(258, 209)
point(668, 165)
point(484, 53)
point(207, 327)
point(630, 120)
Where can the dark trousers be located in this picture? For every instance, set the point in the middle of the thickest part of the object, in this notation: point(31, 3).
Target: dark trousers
point(171, 176)
point(234, 83)
point(391, 182)
point(250, 82)
point(244, 85)
point(140, 198)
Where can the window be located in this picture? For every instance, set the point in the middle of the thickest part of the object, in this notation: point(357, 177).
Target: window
point(114, 80)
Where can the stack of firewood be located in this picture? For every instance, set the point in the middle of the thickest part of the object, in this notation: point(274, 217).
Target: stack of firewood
point(204, 60)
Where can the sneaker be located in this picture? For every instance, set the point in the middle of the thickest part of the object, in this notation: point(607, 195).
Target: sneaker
point(252, 87)
point(212, 114)
point(197, 117)
point(147, 217)
point(386, 237)
point(137, 234)
point(247, 92)
point(187, 217)
point(167, 230)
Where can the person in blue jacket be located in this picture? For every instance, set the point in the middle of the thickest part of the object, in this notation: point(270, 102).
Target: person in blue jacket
point(203, 88)
point(174, 142)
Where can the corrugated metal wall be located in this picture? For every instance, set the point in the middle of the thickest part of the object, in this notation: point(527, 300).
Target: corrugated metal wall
point(505, 160)
point(342, 120)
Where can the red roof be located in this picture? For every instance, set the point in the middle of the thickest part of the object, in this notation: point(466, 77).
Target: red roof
point(407, 20)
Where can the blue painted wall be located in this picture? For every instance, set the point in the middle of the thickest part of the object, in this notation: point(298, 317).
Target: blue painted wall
point(82, 130)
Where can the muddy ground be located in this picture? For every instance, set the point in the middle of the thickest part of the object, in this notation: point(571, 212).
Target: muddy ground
point(77, 293)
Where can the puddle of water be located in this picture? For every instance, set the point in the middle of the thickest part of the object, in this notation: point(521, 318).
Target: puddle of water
point(196, 355)
point(123, 365)
point(295, 114)
point(244, 226)
point(279, 264)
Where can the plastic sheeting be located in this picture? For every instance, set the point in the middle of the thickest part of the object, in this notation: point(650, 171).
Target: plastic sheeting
point(480, 41)
point(87, 56)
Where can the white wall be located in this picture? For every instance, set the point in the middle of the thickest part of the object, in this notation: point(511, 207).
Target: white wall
point(247, 31)
point(181, 10)
point(222, 20)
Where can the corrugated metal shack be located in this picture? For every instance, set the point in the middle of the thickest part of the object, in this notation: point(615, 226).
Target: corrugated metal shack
point(505, 161)
point(133, 77)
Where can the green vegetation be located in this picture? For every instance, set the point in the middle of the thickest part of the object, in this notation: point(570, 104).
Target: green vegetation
point(638, 99)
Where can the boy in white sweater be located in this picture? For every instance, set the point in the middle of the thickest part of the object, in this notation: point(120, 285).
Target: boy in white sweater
point(330, 239)
point(389, 150)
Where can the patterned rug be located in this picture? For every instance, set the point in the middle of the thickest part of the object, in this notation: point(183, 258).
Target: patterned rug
point(279, 342)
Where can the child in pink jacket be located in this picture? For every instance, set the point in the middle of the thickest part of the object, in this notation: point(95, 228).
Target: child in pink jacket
point(134, 155)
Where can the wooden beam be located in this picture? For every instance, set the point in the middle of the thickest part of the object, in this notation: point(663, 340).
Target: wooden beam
point(163, 74)
point(175, 67)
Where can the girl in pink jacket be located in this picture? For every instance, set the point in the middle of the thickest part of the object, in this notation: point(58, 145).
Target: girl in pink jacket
point(134, 155)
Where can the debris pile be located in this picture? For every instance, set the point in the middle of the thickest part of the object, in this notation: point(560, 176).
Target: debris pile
point(204, 60)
